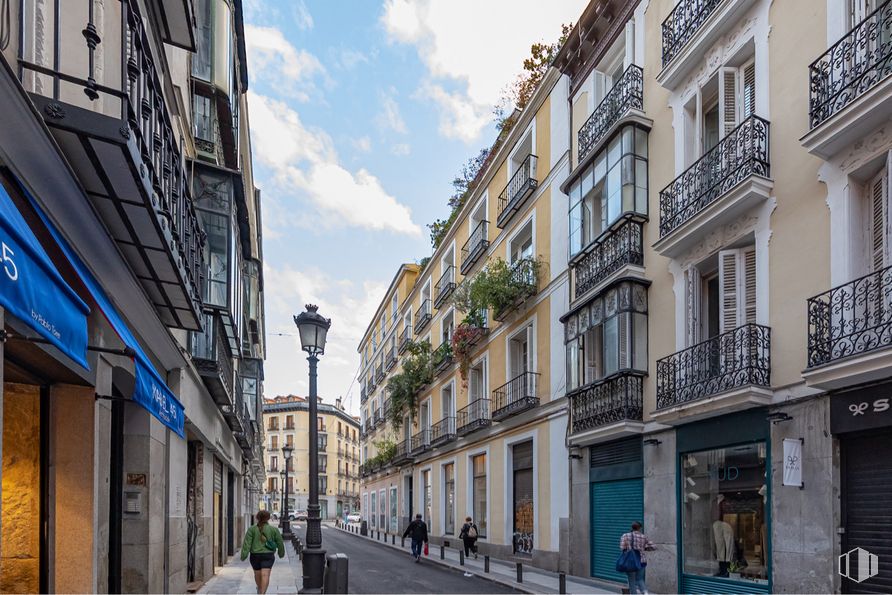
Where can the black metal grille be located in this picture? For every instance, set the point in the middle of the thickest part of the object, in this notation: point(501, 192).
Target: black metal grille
point(620, 246)
point(404, 339)
point(737, 358)
point(421, 441)
point(441, 358)
point(521, 184)
point(379, 373)
point(610, 400)
point(683, 23)
point(443, 431)
point(626, 94)
point(742, 153)
point(475, 247)
point(852, 66)
point(851, 319)
point(445, 286)
point(472, 417)
point(422, 316)
point(516, 395)
point(402, 451)
point(390, 360)
point(524, 275)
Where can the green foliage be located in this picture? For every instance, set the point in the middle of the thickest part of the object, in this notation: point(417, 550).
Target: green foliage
point(441, 354)
point(386, 449)
point(404, 386)
point(465, 337)
point(500, 285)
point(462, 186)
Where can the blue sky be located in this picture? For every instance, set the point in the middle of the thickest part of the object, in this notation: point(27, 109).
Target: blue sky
point(361, 114)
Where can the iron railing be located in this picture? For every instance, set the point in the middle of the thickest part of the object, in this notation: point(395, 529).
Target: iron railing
point(421, 441)
point(742, 153)
point(379, 373)
point(617, 398)
point(445, 286)
point(404, 339)
point(441, 358)
point(475, 246)
point(516, 395)
point(390, 358)
point(521, 184)
point(472, 417)
point(682, 24)
point(627, 93)
point(617, 247)
point(422, 316)
point(402, 452)
point(852, 66)
point(851, 319)
point(210, 353)
point(525, 281)
point(737, 358)
point(443, 431)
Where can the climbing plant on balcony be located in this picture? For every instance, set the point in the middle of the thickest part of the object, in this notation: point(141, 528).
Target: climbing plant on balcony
point(465, 336)
point(417, 372)
point(386, 449)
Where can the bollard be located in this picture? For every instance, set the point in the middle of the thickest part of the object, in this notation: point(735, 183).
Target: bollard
point(486, 564)
point(442, 553)
point(393, 539)
point(335, 575)
point(402, 542)
point(519, 572)
point(562, 583)
point(461, 557)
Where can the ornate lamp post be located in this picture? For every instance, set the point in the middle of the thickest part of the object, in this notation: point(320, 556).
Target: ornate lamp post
point(313, 330)
point(286, 523)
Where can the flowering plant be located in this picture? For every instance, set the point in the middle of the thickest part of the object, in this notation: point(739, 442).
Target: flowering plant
point(463, 340)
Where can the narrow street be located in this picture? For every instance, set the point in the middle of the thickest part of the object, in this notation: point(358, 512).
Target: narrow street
point(376, 568)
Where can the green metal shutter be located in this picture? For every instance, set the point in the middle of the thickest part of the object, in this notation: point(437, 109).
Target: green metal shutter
point(615, 505)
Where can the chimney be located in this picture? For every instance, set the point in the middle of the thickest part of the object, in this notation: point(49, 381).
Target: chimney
point(338, 403)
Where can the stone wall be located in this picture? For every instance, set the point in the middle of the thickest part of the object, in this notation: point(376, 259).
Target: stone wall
point(660, 513)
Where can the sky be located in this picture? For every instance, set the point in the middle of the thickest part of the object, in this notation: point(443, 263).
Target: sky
point(361, 114)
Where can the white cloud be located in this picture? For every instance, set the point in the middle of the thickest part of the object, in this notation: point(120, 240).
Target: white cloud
point(460, 117)
point(483, 54)
point(348, 58)
point(362, 144)
point(390, 117)
point(275, 59)
point(401, 149)
point(302, 16)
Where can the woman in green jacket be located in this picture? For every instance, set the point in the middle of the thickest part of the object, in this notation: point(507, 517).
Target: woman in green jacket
point(262, 541)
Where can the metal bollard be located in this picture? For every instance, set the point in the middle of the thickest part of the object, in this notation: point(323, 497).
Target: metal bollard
point(442, 553)
point(402, 542)
point(335, 575)
point(393, 539)
point(519, 572)
point(461, 557)
point(562, 582)
point(485, 563)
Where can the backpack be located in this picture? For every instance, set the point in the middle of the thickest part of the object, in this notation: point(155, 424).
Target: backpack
point(472, 532)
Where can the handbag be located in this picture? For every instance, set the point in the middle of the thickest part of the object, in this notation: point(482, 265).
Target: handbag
point(268, 543)
point(426, 549)
point(628, 561)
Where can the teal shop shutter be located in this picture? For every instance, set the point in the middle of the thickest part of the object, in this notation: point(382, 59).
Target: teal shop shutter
point(615, 505)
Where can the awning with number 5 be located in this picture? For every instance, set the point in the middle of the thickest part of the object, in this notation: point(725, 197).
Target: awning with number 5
point(32, 289)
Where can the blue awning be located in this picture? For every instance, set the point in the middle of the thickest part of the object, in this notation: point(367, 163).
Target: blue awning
point(150, 390)
point(33, 290)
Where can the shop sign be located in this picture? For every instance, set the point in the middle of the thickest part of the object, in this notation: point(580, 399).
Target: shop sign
point(861, 410)
point(793, 462)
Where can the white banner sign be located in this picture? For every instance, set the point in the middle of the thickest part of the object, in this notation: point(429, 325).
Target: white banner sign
point(793, 462)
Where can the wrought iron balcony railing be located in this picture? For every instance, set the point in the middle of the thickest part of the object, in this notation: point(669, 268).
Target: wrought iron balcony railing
point(445, 286)
point(610, 400)
point(443, 431)
point(682, 24)
point(525, 281)
point(422, 316)
point(379, 373)
point(473, 417)
point(363, 394)
point(516, 395)
point(421, 441)
point(390, 358)
point(475, 246)
point(851, 319)
point(621, 245)
point(441, 358)
point(734, 359)
point(212, 358)
point(404, 339)
point(626, 94)
point(742, 153)
point(852, 66)
point(402, 452)
point(520, 186)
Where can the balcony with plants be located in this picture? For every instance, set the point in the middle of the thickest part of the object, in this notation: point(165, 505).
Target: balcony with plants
point(521, 185)
point(405, 386)
point(625, 100)
point(500, 288)
point(441, 358)
point(445, 286)
point(474, 416)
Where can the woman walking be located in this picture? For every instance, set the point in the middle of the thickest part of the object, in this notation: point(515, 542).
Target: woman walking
point(638, 543)
point(468, 536)
point(262, 541)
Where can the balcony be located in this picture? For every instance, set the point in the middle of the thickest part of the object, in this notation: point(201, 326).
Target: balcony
point(607, 409)
point(727, 181)
point(98, 89)
point(515, 396)
point(443, 431)
point(213, 360)
point(524, 282)
point(850, 90)
point(390, 358)
point(691, 30)
point(728, 372)
point(473, 417)
point(379, 373)
point(850, 333)
point(519, 188)
point(475, 246)
point(405, 339)
point(403, 452)
point(377, 419)
point(422, 317)
point(445, 286)
point(609, 256)
point(421, 441)
point(441, 358)
point(235, 414)
point(625, 99)
point(363, 394)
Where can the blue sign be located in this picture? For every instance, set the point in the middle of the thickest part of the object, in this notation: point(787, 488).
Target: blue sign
point(32, 289)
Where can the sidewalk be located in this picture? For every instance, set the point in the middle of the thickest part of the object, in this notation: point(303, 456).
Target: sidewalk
point(535, 580)
point(238, 577)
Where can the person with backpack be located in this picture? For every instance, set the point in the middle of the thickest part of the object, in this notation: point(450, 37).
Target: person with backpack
point(632, 559)
point(262, 541)
point(468, 536)
point(417, 530)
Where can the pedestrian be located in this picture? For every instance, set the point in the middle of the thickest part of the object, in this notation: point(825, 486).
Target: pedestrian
point(262, 541)
point(637, 542)
point(468, 536)
point(417, 530)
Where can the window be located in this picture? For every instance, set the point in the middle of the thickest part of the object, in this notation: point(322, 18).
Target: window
point(382, 510)
point(522, 490)
point(424, 419)
point(447, 327)
point(878, 209)
point(477, 381)
point(519, 357)
point(373, 510)
point(426, 496)
point(274, 441)
point(201, 59)
point(394, 306)
point(724, 511)
point(202, 119)
point(383, 325)
point(521, 245)
point(289, 422)
point(274, 463)
point(274, 423)
point(721, 293)
point(323, 485)
point(478, 496)
point(449, 501)
point(271, 484)
point(393, 504)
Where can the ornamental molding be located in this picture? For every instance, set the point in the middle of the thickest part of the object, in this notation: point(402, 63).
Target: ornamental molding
point(866, 150)
point(718, 55)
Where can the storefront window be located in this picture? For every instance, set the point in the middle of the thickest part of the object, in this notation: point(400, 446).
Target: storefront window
point(373, 509)
point(724, 507)
point(426, 484)
point(382, 520)
point(522, 455)
point(479, 496)
point(393, 520)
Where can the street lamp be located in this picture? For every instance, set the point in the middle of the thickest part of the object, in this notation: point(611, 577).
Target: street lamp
point(313, 330)
point(286, 523)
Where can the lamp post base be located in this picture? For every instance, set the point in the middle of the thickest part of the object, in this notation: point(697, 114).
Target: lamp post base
point(286, 530)
point(314, 570)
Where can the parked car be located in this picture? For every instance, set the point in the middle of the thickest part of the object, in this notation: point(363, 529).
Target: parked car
point(300, 515)
point(353, 517)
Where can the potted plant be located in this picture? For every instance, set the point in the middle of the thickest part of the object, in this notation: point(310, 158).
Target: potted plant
point(734, 570)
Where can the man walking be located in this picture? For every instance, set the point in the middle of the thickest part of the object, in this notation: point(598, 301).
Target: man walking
point(417, 530)
point(468, 536)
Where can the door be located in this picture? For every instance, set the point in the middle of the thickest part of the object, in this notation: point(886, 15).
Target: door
point(614, 506)
point(523, 496)
point(218, 513)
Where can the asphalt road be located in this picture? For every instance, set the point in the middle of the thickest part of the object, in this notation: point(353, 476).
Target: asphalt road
point(377, 568)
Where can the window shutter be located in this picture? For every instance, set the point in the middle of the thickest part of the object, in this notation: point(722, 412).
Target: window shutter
point(623, 335)
point(878, 221)
point(693, 290)
point(748, 86)
point(727, 100)
point(599, 87)
point(748, 277)
point(474, 384)
point(728, 290)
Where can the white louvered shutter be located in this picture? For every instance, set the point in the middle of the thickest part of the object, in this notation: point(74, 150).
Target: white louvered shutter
point(693, 291)
point(748, 90)
point(623, 336)
point(729, 290)
point(599, 87)
point(877, 193)
point(728, 100)
point(747, 277)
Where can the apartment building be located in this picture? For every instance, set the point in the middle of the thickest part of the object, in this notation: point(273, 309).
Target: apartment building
point(132, 300)
point(480, 429)
point(287, 419)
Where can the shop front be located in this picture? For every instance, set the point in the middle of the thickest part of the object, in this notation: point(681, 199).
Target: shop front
point(724, 504)
point(861, 419)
